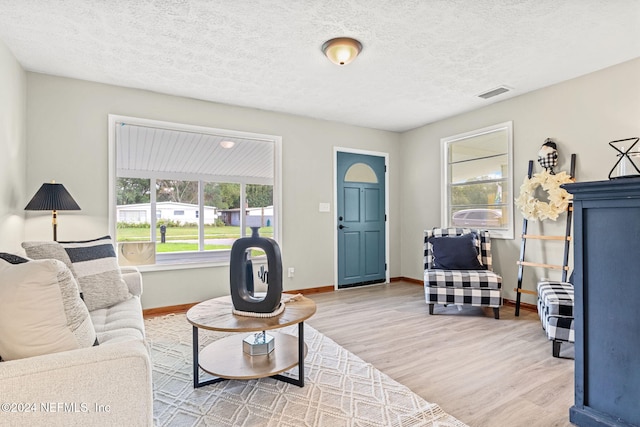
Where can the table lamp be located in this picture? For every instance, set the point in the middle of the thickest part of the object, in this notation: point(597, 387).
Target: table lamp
point(52, 197)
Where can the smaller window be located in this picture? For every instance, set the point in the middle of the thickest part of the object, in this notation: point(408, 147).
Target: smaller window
point(178, 213)
point(478, 177)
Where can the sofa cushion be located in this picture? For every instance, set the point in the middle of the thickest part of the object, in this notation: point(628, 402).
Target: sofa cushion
point(94, 265)
point(121, 322)
point(462, 279)
point(41, 311)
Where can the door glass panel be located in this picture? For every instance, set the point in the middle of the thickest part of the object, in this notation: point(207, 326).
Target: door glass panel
point(360, 172)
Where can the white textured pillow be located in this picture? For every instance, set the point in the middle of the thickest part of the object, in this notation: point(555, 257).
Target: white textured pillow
point(48, 250)
point(41, 311)
point(94, 265)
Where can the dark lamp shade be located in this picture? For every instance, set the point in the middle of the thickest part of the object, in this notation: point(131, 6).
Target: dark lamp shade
point(52, 197)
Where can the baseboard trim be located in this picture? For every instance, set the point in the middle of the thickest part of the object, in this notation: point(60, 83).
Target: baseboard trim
point(183, 308)
point(523, 305)
point(410, 280)
point(170, 309)
point(308, 291)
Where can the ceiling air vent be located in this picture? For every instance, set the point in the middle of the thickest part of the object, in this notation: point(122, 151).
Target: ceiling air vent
point(494, 92)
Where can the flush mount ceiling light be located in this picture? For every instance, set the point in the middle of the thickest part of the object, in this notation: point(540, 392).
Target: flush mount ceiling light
point(227, 144)
point(341, 50)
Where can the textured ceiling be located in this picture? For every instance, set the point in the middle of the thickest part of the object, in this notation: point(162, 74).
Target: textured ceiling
point(423, 60)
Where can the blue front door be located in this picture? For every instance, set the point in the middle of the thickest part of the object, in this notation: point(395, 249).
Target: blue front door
point(361, 219)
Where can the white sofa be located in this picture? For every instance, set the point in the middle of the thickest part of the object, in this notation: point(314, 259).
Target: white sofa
point(105, 385)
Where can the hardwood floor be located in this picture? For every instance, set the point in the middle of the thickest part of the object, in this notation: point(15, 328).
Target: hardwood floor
point(483, 371)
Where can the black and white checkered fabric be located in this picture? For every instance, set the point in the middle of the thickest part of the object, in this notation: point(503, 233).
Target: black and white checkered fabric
point(482, 279)
point(549, 160)
point(555, 308)
point(560, 329)
point(461, 287)
point(463, 296)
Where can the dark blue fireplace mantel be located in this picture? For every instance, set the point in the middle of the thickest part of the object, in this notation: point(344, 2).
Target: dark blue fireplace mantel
point(607, 302)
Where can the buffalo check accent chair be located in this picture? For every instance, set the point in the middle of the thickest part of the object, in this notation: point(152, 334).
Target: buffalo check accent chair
point(555, 307)
point(480, 288)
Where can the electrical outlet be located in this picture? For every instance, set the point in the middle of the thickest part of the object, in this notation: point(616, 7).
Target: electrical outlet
point(291, 272)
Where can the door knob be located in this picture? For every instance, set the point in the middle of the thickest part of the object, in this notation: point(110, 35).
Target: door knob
point(342, 226)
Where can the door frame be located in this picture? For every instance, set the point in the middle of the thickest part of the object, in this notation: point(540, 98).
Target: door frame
point(336, 150)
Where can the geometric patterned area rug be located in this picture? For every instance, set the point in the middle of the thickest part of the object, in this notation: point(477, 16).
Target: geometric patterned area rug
point(340, 388)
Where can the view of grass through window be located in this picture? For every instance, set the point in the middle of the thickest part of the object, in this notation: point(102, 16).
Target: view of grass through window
point(177, 213)
point(186, 193)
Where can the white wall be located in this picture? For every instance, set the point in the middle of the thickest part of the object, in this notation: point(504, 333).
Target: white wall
point(582, 115)
point(67, 141)
point(13, 152)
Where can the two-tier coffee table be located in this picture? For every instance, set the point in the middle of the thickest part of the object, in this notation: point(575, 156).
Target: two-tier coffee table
point(224, 358)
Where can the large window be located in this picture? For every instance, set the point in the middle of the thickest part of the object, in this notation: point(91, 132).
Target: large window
point(478, 180)
point(189, 192)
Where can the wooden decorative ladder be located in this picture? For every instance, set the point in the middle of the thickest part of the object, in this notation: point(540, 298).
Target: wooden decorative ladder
point(566, 239)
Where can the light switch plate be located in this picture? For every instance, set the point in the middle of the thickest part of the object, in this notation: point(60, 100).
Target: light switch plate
point(324, 207)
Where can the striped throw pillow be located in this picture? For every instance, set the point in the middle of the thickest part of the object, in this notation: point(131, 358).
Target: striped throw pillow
point(95, 267)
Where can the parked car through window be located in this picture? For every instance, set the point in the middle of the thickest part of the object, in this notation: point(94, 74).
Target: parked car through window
point(478, 218)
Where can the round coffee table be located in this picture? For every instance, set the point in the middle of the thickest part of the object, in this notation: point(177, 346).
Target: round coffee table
point(225, 359)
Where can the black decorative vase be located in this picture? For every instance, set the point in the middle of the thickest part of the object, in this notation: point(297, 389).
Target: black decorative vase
point(241, 274)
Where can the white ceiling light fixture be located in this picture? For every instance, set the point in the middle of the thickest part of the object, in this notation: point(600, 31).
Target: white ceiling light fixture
point(342, 50)
point(227, 144)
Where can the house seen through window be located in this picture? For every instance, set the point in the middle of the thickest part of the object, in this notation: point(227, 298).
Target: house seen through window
point(191, 192)
point(478, 180)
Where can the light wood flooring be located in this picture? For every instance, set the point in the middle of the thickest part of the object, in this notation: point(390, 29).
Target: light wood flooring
point(483, 371)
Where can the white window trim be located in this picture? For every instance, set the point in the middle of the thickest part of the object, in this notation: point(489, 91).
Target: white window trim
point(446, 178)
point(113, 119)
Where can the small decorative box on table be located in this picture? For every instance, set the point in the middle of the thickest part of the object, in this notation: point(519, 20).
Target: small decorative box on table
point(258, 344)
